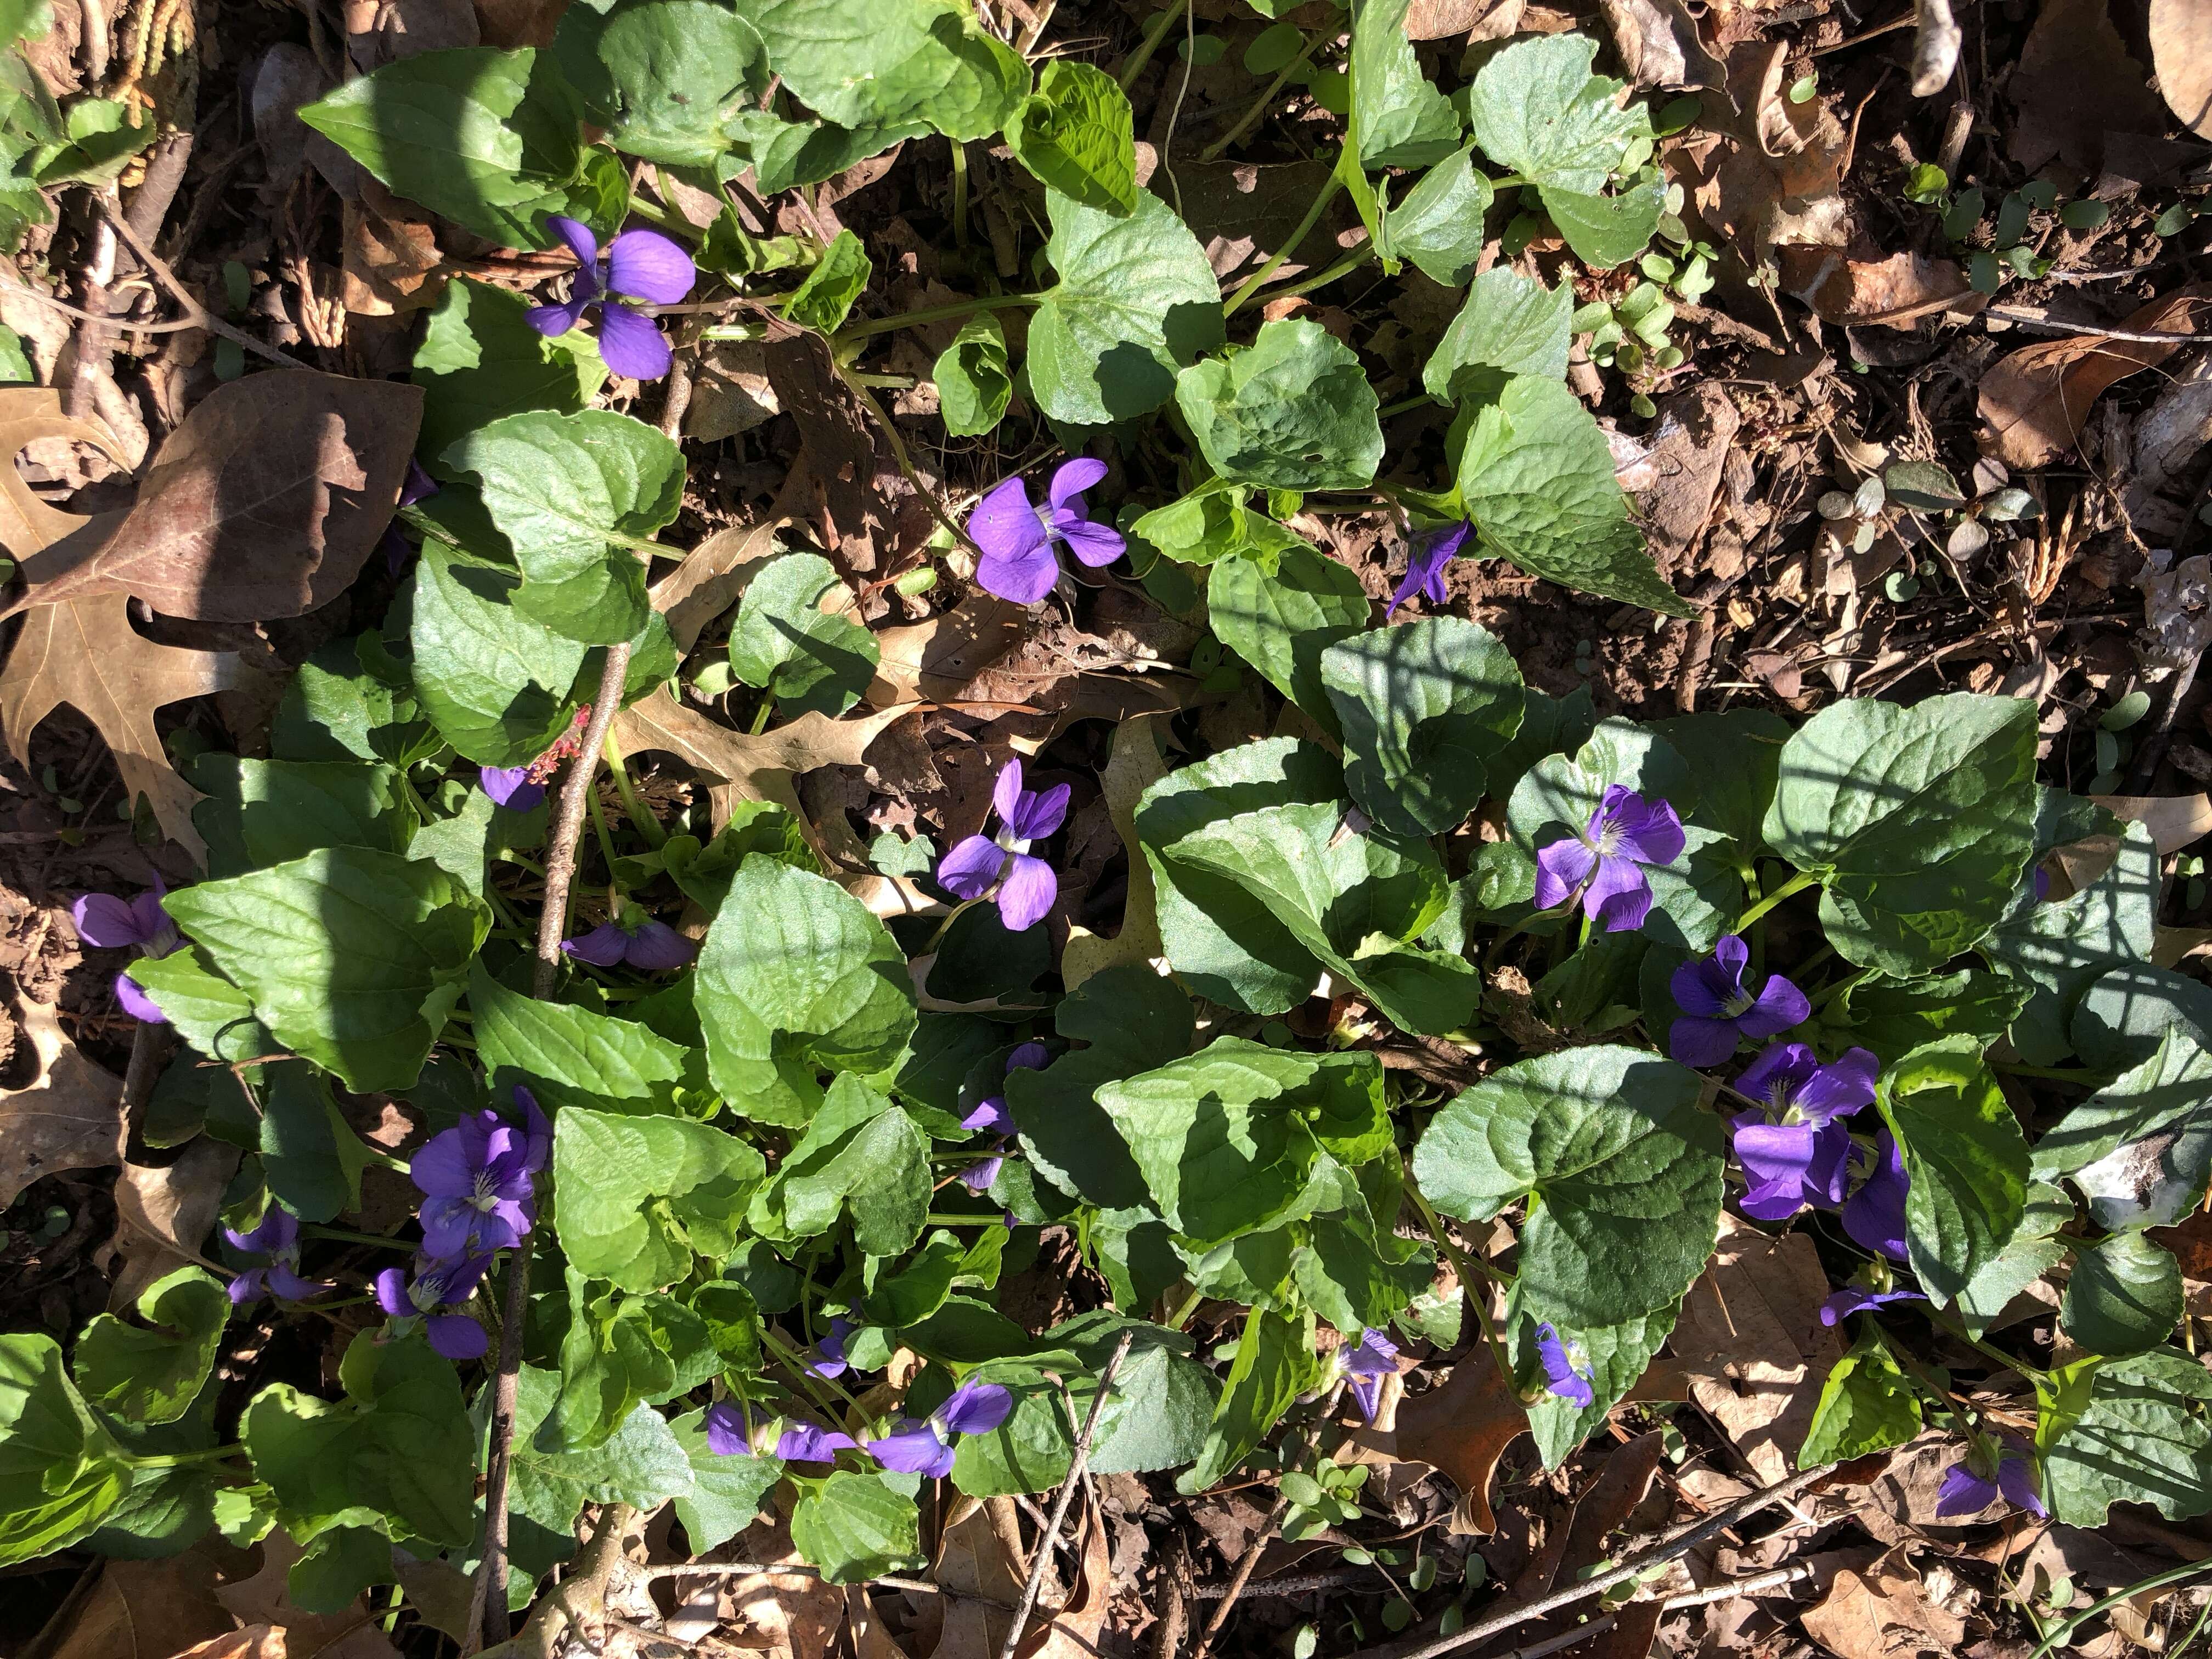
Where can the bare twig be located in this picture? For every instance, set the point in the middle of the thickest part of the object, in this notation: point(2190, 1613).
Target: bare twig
point(583, 1591)
point(2037, 320)
point(1081, 1460)
point(197, 315)
point(1935, 48)
point(560, 873)
point(1730, 1590)
point(1678, 1542)
point(1250, 1559)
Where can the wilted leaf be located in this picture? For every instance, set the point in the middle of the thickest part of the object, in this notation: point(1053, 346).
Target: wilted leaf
point(265, 503)
point(1462, 1427)
point(2036, 401)
point(68, 1116)
point(2181, 53)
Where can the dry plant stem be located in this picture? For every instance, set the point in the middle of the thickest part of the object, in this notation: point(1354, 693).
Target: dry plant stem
point(1250, 1559)
point(560, 873)
point(2035, 319)
point(1678, 1542)
point(150, 1048)
point(1730, 1590)
point(582, 1591)
point(1067, 1489)
point(1936, 48)
point(798, 1569)
point(196, 313)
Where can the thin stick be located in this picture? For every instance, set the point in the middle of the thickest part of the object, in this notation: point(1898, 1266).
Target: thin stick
point(2054, 325)
point(1082, 1461)
point(1732, 1588)
point(905, 461)
point(198, 314)
point(797, 1568)
point(1680, 1541)
point(1250, 1559)
point(560, 1609)
point(560, 873)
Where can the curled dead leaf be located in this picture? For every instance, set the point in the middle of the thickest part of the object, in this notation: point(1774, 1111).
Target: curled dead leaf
point(1461, 1427)
point(266, 502)
point(147, 1610)
point(1133, 767)
point(68, 1116)
point(1893, 291)
point(1885, 1614)
point(1659, 44)
point(2181, 53)
point(2036, 400)
point(163, 1214)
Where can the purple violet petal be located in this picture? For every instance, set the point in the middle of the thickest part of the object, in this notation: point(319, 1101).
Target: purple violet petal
point(643, 265)
point(604, 946)
point(511, 786)
point(990, 1115)
point(2016, 1480)
point(1781, 1070)
point(1963, 1492)
point(1561, 868)
point(135, 1003)
point(1699, 1043)
point(457, 1336)
point(976, 1407)
point(1038, 815)
point(1070, 479)
point(977, 1177)
point(106, 922)
point(1840, 1089)
point(726, 1435)
point(913, 1448)
point(631, 345)
point(559, 318)
point(657, 946)
point(1702, 990)
point(808, 1443)
point(1005, 527)
point(1096, 545)
point(577, 235)
point(970, 868)
point(1648, 831)
point(1780, 1005)
point(391, 1293)
point(1027, 894)
point(1030, 1056)
point(1619, 897)
point(1021, 578)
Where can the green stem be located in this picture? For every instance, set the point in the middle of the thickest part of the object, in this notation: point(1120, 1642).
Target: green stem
point(662, 219)
point(1796, 884)
point(2064, 1633)
point(760, 716)
point(599, 825)
point(647, 825)
point(183, 1460)
point(2008, 1362)
point(959, 194)
point(1259, 107)
point(1323, 198)
point(934, 1219)
point(1828, 994)
point(1468, 1267)
point(1155, 31)
point(807, 1379)
point(346, 1235)
point(1344, 267)
point(1402, 405)
point(935, 315)
point(1185, 1310)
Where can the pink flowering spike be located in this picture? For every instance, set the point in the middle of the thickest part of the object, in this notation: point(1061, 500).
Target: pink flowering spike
point(1070, 480)
point(1619, 897)
point(1026, 895)
point(511, 786)
point(1561, 868)
point(632, 345)
point(643, 265)
point(604, 946)
point(391, 1293)
point(581, 240)
point(457, 1336)
point(106, 922)
point(970, 869)
point(656, 945)
point(913, 1448)
point(1963, 1492)
point(727, 1433)
point(135, 1003)
point(1096, 545)
point(975, 1408)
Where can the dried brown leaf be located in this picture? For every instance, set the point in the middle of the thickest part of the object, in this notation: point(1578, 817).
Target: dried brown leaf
point(70, 1116)
point(379, 32)
point(1659, 44)
point(936, 660)
point(266, 1599)
point(162, 1215)
point(254, 1642)
point(1470, 20)
point(2181, 53)
point(85, 653)
point(714, 576)
point(1893, 291)
point(2036, 400)
point(1750, 1338)
point(2174, 821)
point(1884, 1615)
point(145, 1610)
point(1133, 768)
point(265, 503)
point(2075, 86)
point(1461, 1427)
point(785, 1615)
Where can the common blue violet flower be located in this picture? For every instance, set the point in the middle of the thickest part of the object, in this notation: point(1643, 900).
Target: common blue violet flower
point(1566, 1378)
point(1853, 1299)
point(633, 938)
point(640, 265)
point(729, 1428)
point(1718, 1011)
point(830, 1352)
point(108, 923)
point(416, 486)
point(1604, 862)
point(477, 1177)
point(1365, 1366)
point(991, 1113)
point(1017, 538)
point(512, 786)
point(1874, 1215)
point(1425, 560)
point(805, 1442)
point(1970, 1485)
point(1797, 1151)
point(437, 1284)
point(924, 1445)
point(276, 1235)
point(1026, 884)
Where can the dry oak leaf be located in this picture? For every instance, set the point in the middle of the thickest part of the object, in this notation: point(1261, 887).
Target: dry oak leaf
point(1659, 45)
point(785, 1615)
point(1133, 767)
point(2181, 53)
point(163, 1214)
point(265, 503)
point(69, 1117)
point(1461, 1427)
point(85, 654)
point(2075, 86)
point(2035, 401)
point(1884, 1615)
point(1750, 1339)
point(266, 1599)
point(140, 1610)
